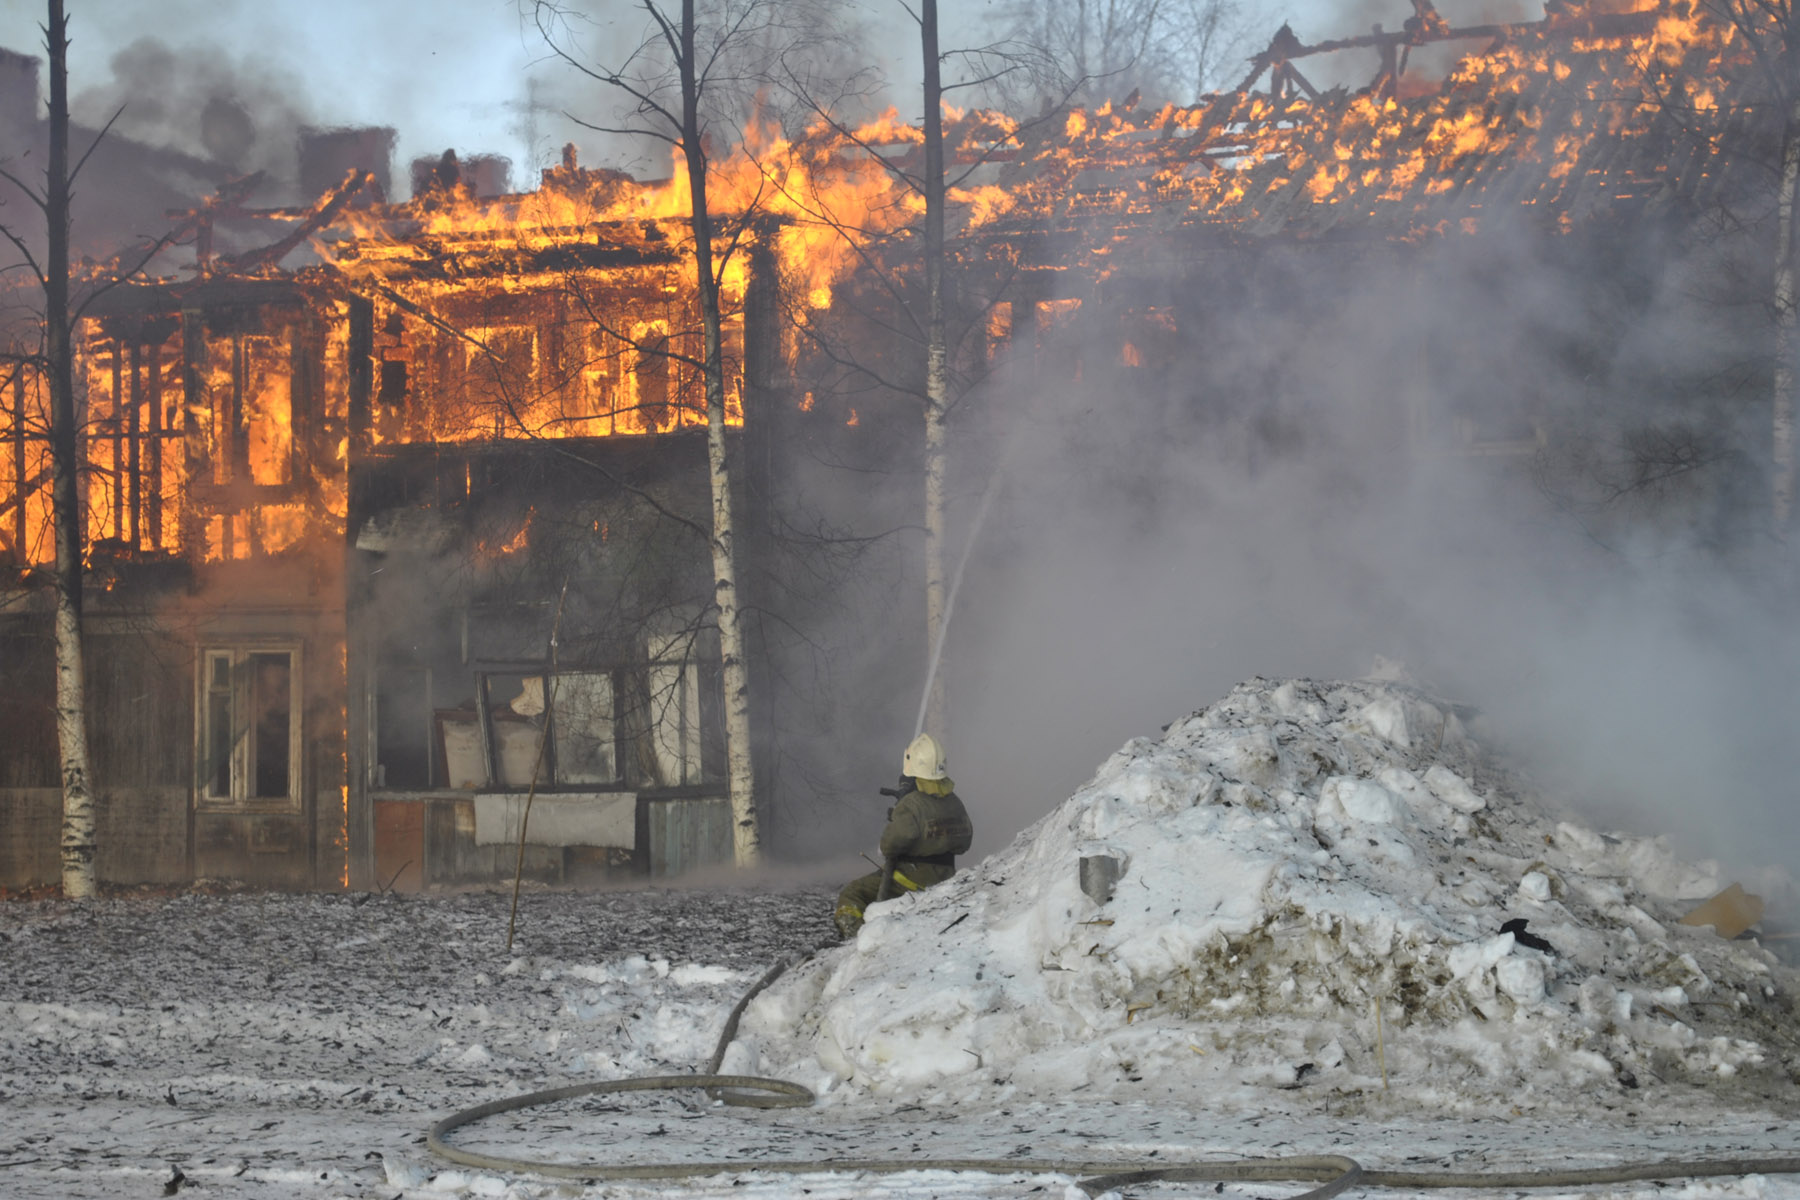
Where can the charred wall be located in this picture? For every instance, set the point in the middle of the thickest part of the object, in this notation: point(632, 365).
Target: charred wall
point(469, 561)
point(141, 743)
point(215, 605)
point(266, 681)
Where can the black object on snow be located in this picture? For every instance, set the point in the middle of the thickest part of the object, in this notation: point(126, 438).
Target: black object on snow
point(1516, 927)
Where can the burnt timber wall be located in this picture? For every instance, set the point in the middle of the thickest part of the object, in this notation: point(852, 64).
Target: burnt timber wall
point(295, 604)
point(458, 554)
point(141, 688)
point(142, 834)
point(141, 740)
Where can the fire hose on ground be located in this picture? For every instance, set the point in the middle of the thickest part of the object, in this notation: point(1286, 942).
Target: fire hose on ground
point(1335, 1174)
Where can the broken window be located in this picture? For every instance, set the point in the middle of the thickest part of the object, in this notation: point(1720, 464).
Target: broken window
point(1150, 337)
point(392, 391)
point(403, 729)
point(500, 373)
point(653, 725)
point(514, 743)
point(133, 470)
point(585, 734)
point(999, 329)
point(675, 710)
point(249, 726)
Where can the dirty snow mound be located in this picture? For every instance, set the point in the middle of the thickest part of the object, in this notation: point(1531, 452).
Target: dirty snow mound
point(1292, 863)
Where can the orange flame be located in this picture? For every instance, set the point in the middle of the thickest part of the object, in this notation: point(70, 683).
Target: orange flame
point(570, 311)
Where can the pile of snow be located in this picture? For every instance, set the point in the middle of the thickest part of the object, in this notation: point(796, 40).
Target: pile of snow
point(1312, 884)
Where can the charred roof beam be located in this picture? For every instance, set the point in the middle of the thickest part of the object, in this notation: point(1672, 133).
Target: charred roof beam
point(1427, 25)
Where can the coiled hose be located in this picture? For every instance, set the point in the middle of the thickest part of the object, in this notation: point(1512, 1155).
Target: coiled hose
point(1334, 1173)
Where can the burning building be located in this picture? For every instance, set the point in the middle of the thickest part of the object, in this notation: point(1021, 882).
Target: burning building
point(396, 512)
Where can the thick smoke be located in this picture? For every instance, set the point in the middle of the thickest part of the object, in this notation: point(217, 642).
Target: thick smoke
point(233, 83)
point(1341, 460)
point(203, 101)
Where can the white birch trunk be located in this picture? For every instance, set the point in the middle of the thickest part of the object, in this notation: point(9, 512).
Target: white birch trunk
point(936, 454)
point(78, 875)
point(937, 376)
point(78, 846)
point(746, 836)
point(1787, 331)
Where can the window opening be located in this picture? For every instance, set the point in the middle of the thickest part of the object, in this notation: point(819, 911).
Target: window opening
point(675, 709)
point(515, 731)
point(404, 728)
point(583, 720)
point(271, 706)
point(572, 713)
point(249, 725)
point(217, 755)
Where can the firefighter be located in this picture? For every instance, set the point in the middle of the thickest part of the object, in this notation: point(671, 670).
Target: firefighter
point(926, 829)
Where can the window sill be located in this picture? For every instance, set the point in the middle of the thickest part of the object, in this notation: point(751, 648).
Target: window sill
point(248, 808)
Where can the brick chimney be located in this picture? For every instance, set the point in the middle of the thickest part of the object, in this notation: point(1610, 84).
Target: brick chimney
point(488, 174)
point(485, 175)
point(326, 154)
point(18, 94)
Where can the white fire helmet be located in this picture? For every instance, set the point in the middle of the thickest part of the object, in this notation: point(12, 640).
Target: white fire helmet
point(924, 759)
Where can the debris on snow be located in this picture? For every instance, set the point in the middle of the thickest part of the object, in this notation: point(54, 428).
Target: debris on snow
point(1729, 913)
point(1282, 862)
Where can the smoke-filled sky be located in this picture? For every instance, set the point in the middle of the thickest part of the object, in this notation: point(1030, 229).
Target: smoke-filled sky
point(466, 74)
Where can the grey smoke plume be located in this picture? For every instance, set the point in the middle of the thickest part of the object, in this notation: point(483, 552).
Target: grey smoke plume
point(1338, 461)
point(243, 114)
point(233, 82)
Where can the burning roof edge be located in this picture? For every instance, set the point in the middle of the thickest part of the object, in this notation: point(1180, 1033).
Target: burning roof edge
point(1288, 162)
point(153, 297)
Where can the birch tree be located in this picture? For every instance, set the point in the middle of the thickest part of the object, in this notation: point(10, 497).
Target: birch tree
point(680, 76)
point(937, 364)
point(910, 263)
point(1787, 329)
point(746, 839)
point(940, 320)
point(1770, 25)
point(53, 361)
point(45, 349)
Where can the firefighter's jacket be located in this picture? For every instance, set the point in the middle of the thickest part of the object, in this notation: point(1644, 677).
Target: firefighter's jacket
point(924, 834)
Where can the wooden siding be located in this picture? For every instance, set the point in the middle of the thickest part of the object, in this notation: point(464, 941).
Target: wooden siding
point(142, 835)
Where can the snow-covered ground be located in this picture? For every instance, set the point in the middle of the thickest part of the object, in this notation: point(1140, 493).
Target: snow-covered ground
point(1302, 954)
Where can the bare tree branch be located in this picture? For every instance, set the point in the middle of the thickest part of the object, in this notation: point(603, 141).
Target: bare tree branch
point(75, 171)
